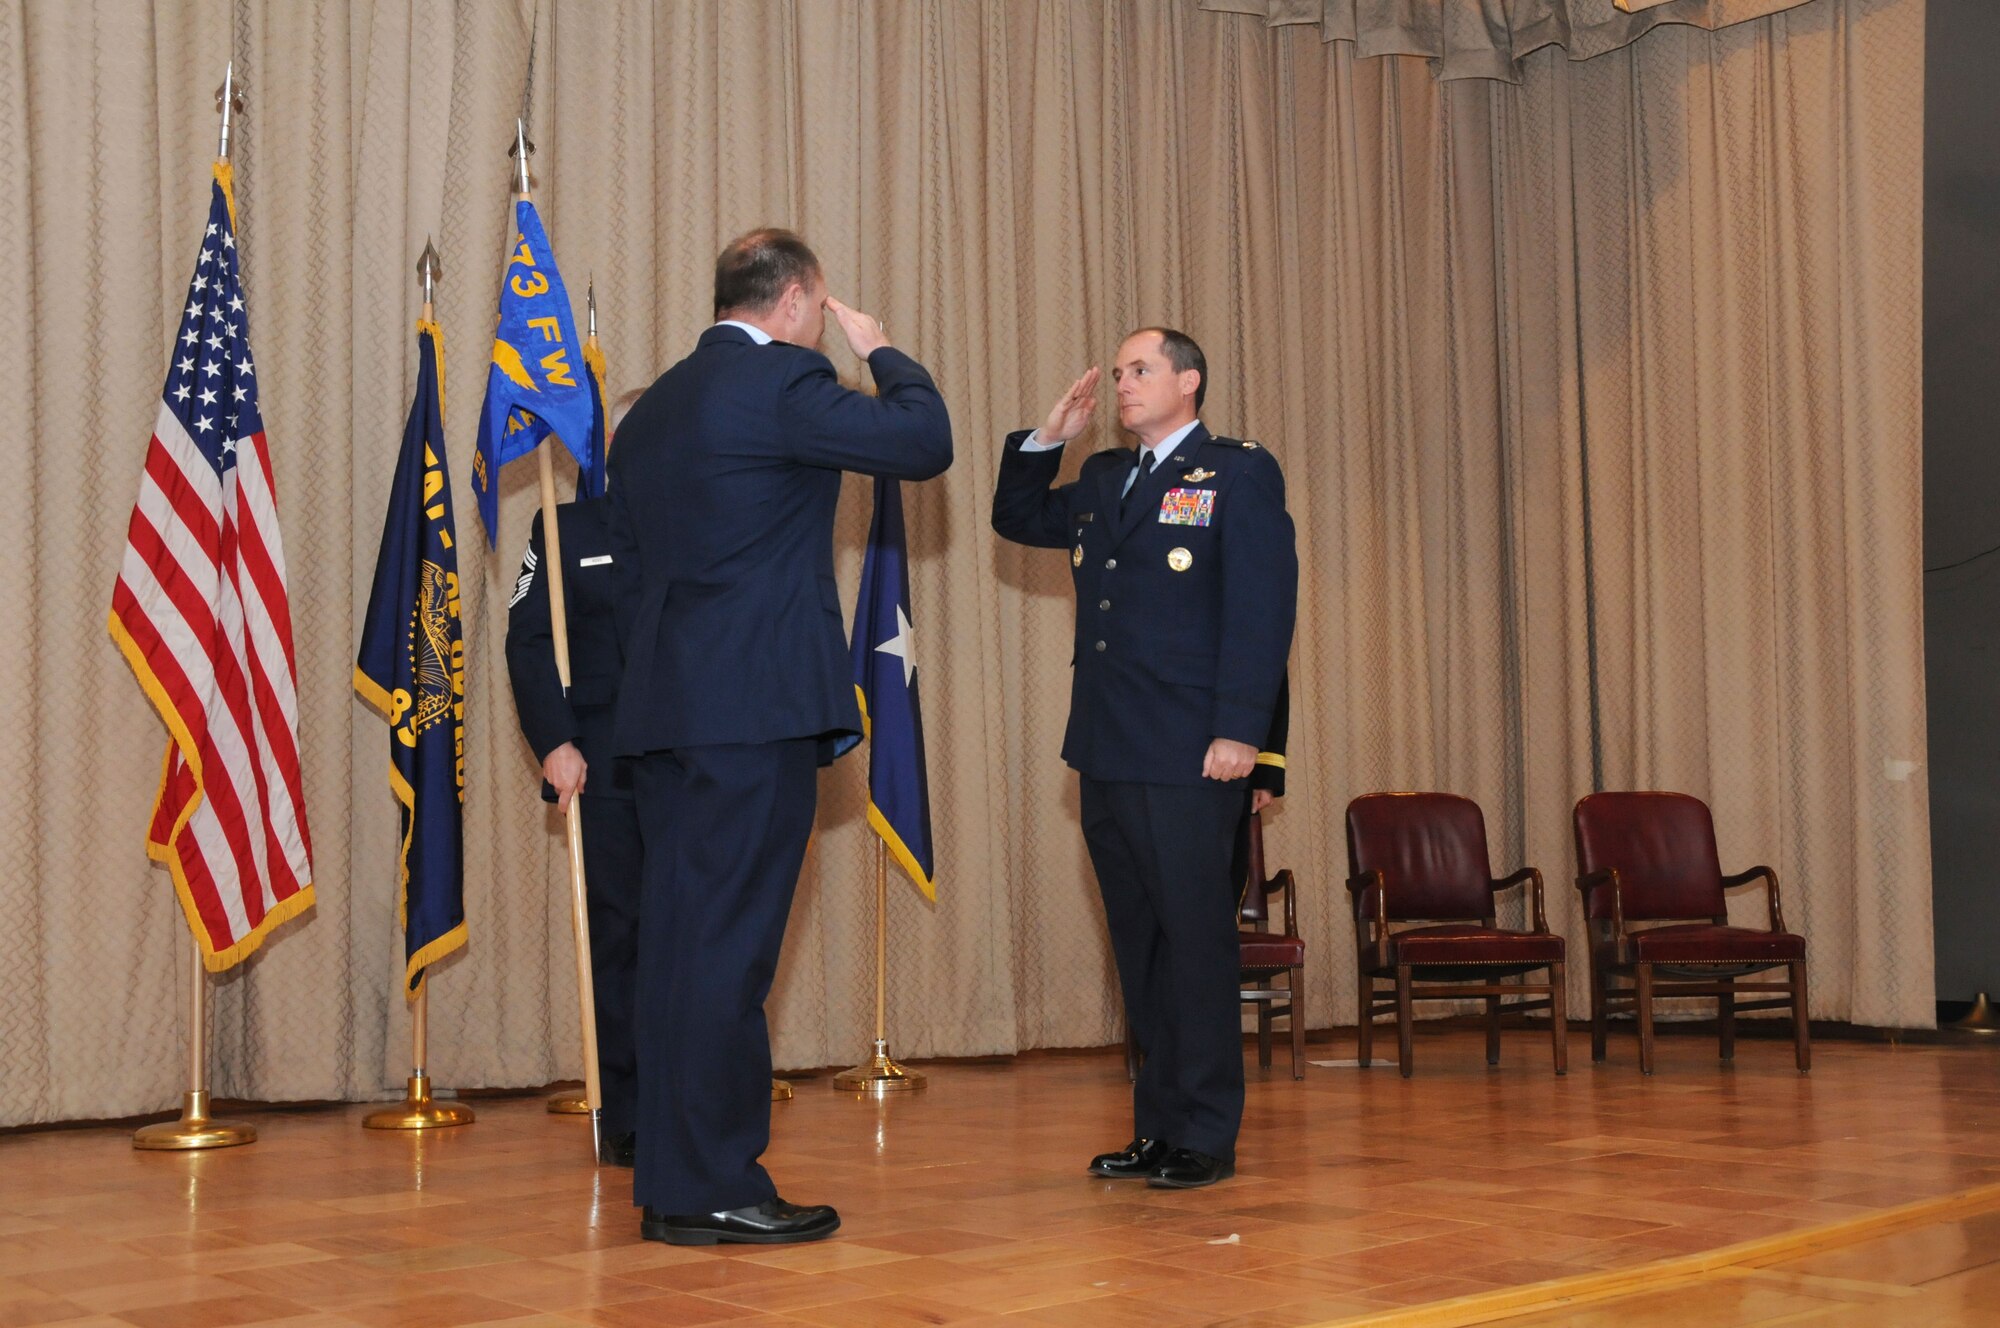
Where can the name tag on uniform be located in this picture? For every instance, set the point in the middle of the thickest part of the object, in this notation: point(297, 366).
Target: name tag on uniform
point(603, 558)
point(1188, 507)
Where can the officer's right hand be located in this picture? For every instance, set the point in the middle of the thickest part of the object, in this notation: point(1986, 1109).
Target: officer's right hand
point(565, 769)
point(1072, 410)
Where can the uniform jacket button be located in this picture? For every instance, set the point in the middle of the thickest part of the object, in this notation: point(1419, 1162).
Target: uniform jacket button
point(1100, 645)
point(1110, 564)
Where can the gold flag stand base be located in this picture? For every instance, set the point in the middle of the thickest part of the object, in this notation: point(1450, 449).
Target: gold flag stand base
point(418, 1110)
point(780, 1091)
point(572, 1103)
point(879, 1074)
point(195, 1129)
point(1979, 1019)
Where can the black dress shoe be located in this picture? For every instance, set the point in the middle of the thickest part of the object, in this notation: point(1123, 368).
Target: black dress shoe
point(1141, 1158)
point(618, 1150)
point(773, 1222)
point(1185, 1169)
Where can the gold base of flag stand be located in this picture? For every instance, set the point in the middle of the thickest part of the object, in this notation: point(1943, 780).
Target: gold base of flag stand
point(780, 1091)
point(880, 1074)
point(1979, 1019)
point(196, 1128)
point(570, 1102)
point(419, 1110)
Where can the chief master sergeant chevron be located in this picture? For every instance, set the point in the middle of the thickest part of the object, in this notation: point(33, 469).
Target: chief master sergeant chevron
point(1186, 589)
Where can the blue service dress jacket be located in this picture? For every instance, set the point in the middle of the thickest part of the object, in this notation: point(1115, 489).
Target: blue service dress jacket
point(1186, 593)
point(600, 587)
point(728, 472)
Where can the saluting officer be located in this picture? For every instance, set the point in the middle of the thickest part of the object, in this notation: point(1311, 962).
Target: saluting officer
point(571, 737)
point(1186, 589)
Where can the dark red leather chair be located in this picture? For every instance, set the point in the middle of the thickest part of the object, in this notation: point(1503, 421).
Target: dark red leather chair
point(1651, 858)
point(1269, 955)
point(1421, 857)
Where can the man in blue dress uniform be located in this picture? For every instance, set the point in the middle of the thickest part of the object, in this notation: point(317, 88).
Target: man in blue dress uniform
point(737, 687)
point(1186, 588)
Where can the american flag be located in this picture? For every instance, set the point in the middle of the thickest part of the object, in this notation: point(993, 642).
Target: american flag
point(201, 614)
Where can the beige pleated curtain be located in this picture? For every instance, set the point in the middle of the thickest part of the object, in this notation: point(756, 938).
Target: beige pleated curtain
point(1597, 395)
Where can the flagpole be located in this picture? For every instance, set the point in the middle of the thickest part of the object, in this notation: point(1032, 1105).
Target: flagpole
point(418, 1110)
point(579, 914)
point(196, 1128)
point(880, 1073)
point(576, 1102)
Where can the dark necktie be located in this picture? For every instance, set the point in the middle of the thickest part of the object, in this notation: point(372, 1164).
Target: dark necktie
point(1140, 470)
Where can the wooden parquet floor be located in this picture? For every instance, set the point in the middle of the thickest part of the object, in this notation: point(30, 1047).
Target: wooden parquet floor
point(967, 1203)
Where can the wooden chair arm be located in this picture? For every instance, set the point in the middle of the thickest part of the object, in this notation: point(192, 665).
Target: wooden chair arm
point(1532, 876)
point(1284, 882)
point(1606, 876)
point(1742, 878)
point(1363, 886)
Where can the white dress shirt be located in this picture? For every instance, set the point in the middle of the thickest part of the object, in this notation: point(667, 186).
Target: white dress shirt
point(757, 334)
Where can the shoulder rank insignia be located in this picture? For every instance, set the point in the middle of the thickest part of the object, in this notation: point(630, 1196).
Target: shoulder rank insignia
point(1252, 444)
point(1197, 475)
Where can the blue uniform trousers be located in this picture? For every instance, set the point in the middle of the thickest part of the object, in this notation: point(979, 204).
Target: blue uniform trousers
point(1162, 856)
point(725, 831)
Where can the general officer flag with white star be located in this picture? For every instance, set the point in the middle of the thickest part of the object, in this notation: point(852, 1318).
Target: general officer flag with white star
point(537, 383)
point(885, 679)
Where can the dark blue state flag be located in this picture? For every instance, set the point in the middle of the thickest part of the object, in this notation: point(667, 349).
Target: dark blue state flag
point(537, 383)
point(412, 668)
point(885, 677)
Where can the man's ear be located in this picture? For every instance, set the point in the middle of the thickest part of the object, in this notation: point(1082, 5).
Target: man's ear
point(1189, 381)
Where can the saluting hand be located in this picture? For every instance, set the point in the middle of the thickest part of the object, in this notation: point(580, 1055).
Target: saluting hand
point(565, 769)
point(1073, 409)
point(864, 332)
point(1228, 759)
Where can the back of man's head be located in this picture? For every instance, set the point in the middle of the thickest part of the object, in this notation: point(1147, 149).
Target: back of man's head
point(754, 269)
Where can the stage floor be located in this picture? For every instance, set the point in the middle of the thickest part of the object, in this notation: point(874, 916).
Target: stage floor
point(1356, 1192)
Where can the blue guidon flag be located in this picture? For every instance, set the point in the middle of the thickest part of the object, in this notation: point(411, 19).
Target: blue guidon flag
point(885, 679)
point(537, 383)
point(412, 668)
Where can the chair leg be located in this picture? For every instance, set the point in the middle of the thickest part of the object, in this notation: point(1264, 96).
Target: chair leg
point(1725, 1018)
point(1801, 1034)
point(1295, 1015)
point(1644, 995)
point(1364, 1023)
point(1559, 1015)
point(1404, 1020)
point(1492, 1030)
point(1263, 1035)
point(1597, 1019)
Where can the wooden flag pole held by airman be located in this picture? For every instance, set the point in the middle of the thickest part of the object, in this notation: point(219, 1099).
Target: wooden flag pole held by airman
point(419, 1110)
point(195, 1128)
point(572, 1102)
point(579, 915)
